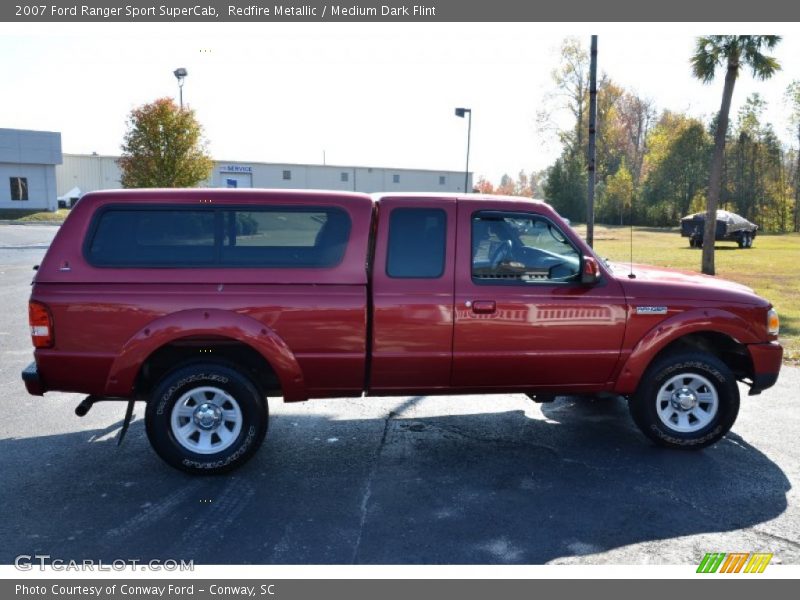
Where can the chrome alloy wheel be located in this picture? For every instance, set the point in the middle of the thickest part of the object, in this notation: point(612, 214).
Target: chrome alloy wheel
point(206, 420)
point(687, 403)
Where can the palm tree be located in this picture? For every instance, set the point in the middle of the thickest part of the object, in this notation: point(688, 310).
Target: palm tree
point(735, 51)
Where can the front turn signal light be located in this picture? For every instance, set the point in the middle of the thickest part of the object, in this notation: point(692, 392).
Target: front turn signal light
point(773, 322)
point(41, 322)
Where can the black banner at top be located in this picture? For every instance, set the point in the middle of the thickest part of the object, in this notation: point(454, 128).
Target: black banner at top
point(743, 11)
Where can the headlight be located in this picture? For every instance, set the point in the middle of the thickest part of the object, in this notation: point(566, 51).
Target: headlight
point(773, 322)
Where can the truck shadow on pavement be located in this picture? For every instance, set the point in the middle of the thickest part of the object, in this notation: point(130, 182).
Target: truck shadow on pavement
point(461, 489)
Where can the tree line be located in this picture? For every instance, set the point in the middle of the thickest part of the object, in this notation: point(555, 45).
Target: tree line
point(652, 165)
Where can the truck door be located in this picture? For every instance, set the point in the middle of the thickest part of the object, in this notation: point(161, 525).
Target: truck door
point(523, 320)
point(412, 295)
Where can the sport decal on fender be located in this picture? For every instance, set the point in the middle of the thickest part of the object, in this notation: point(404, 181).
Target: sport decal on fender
point(651, 310)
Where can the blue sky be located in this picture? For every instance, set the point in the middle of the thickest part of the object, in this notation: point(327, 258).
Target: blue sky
point(367, 94)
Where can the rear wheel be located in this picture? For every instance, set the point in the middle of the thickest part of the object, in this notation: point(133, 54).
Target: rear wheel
point(746, 240)
point(687, 401)
point(206, 418)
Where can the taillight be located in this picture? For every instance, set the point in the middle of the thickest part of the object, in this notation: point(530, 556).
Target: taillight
point(41, 322)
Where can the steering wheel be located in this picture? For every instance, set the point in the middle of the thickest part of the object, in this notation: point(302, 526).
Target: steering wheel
point(501, 252)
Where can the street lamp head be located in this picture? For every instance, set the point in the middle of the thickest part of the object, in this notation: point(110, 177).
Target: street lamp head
point(462, 112)
point(180, 74)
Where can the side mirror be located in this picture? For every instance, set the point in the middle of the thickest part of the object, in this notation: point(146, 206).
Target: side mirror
point(590, 272)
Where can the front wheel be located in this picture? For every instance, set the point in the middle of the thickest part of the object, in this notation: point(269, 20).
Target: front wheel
point(686, 401)
point(206, 418)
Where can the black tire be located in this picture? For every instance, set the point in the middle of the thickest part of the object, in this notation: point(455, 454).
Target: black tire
point(655, 416)
point(742, 241)
point(223, 390)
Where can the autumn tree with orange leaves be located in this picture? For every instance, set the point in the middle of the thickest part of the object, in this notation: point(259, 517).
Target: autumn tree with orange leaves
point(525, 185)
point(163, 147)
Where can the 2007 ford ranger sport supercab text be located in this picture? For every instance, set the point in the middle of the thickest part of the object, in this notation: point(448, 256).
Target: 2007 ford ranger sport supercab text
point(203, 303)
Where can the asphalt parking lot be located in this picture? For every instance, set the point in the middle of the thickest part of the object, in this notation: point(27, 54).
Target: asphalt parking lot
point(492, 479)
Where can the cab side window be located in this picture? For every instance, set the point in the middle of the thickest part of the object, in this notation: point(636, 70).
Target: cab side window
point(417, 239)
point(520, 248)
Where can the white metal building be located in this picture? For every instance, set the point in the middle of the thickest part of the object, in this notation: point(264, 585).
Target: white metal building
point(89, 172)
point(28, 162)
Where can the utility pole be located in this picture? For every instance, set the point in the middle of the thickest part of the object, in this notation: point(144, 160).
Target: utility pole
point(592, 135)
point(797, 187)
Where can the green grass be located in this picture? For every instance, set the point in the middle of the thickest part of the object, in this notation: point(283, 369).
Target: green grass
point(771, 267)
point(46, 217)
point(11, 214)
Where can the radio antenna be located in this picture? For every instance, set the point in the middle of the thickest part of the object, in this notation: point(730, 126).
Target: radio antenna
point(631, 275)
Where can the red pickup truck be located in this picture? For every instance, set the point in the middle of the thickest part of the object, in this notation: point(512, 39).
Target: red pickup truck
point(203, 303)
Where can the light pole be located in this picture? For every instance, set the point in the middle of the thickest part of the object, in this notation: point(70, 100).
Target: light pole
point(180, 74)
point(460, 112)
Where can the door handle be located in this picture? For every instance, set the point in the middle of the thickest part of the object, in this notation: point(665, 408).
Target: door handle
point(484, 307)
